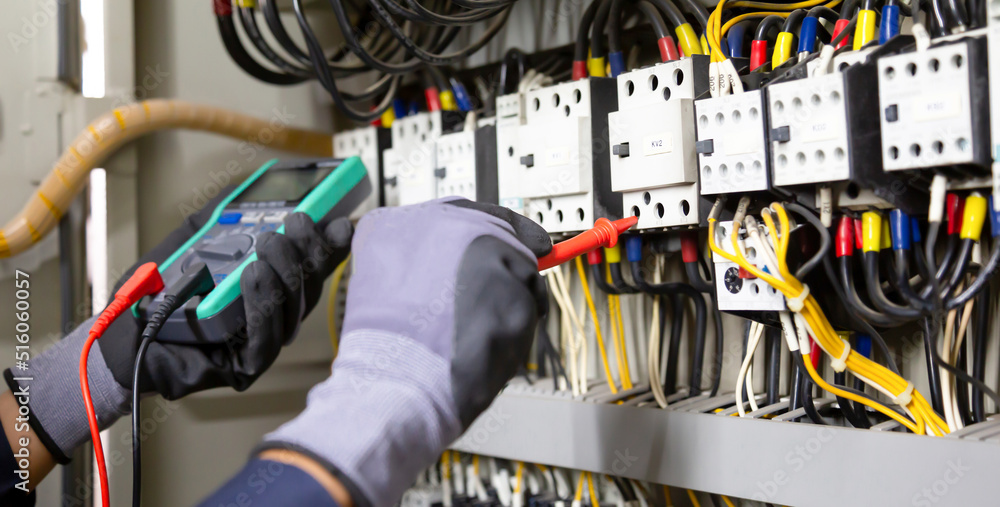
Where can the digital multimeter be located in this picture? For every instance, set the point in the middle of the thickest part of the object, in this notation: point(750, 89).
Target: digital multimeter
point(321, 188)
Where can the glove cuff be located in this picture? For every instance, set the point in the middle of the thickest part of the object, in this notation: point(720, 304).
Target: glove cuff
point(385, 414)
point(52, 384)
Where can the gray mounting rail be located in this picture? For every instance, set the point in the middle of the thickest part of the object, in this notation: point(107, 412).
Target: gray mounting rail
point(778, 462)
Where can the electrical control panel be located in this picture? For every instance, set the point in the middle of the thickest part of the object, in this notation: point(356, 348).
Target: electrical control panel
point(368, 144)
point(466, 165)
point(736, 289)
point(562, 175)
point(931, 108)
point(732, 145)
point(652, 140)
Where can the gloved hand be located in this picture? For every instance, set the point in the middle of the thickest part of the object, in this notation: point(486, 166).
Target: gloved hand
point(441, 309)
point(279, 290)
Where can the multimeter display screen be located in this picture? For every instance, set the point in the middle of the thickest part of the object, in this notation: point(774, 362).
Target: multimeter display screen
point(284, 185)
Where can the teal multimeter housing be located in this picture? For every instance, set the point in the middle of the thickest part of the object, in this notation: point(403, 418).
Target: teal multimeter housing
point(324, 189)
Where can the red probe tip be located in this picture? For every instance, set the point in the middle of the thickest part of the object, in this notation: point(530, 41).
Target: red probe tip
point(625, 224)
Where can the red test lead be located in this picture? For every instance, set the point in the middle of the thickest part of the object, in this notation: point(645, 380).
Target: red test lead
point(144, 281)
point(604, 234)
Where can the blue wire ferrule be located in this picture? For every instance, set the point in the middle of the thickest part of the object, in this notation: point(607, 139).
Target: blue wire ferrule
point(399, 107)
point(994, 219)
point(899, 223)
point(633, 248)
point(915, 230)
point(863, 345)
point(890, 23)
point(461, 95)
point(734, 39)
point(617, 62)
point(413, 108)
point(807, 34)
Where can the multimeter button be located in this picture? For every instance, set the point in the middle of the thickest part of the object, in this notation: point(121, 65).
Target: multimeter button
point(251, 217)
point(227, 248)
point(275, 217)
point(230, 218)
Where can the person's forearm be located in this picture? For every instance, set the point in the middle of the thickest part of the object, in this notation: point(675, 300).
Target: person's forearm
point(281, 477)
point(20, 436)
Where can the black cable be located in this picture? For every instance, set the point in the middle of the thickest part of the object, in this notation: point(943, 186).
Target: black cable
point(196, 281)
point(853, 300)
point(249, 21)
point(618, 281)
point(697, 10)
point(933, 374)
point(846, 408)
point(615, 27)
point(875, 294)
point(985, 274)
point(231, 41)
point(962, 388)
point(807, 391)
point(939, 362)
point(824, 12)
point(670, 10)
point(695, 279)
point(655, 18)
point(772, 343)
point(958, 270)
point(903, 282)
point(847, 9)
point(980, 326)
point(767, 24)
point(793, 21)
point(676, 328)
point(580, 49)
point(597, 49)
point(698, 355)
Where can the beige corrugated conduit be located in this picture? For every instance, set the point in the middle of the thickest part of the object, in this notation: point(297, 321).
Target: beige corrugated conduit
point(112, 130)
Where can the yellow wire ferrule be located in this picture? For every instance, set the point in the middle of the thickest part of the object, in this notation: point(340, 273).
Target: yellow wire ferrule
point(782, 49)
point(871, 232)
point(388, 117)
point(613, 254)
point(448, 102)
point(247, 3)
point(705, 48)
point(688, 40)
point(595, 66)
point(973, 217)
point(866, 29)
point(886, 242)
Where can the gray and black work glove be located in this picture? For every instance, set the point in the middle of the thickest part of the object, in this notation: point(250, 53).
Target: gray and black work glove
point(441, 310)
point(279, 290)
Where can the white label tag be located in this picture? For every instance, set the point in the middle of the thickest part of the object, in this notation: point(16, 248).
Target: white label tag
point(822, 131)
point(657, 144)
point(740, 145)
point(937, 106)
point(556, 156)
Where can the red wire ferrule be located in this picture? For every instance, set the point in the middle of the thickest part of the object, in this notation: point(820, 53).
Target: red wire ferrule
point(955, 208)
point(845, 236)
point(594, 256)
point(668, 49)
point(579, 70)
point(604, 234)
point(758, 53)
point(814, 352)
point(839, 27)
point(689, 247)
point(431, 95)
point(223, 7)
point(859, 234)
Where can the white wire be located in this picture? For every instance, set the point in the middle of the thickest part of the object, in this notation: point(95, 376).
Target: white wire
point(756, 330)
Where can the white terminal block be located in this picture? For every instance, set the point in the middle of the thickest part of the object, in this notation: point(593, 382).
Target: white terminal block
point(809, 139)
point(510, 117)
point(362, 143)
point(456, 165)
point(652, 138)
point(410, 163)
point(734, 126)
point(734, 292)
point(554, 152)
point(926, 108)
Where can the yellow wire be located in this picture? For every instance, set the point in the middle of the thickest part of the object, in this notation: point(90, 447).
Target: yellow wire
point(597, 325)
point(924, 416)
point(729, 503)
point(475, 465)
point(331, 308)
point(578, 495)
point(694, 499)
point(624, 348)
point(446, 465)
point(518, 475)
point(590, 489)
point(666, 496)
point(715, 31)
